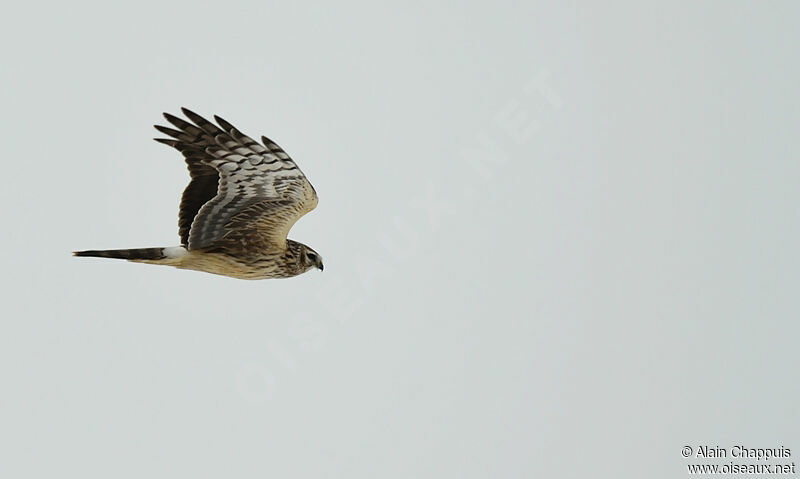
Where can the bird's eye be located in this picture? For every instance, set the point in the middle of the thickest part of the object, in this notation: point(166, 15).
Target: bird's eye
point(311, 256)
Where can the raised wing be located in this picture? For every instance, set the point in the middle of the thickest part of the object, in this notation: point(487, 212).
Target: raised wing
point(259, 192)
point(202, 188)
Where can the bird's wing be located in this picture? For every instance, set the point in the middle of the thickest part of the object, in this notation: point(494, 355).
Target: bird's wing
point(259, 192)
point(192, 142)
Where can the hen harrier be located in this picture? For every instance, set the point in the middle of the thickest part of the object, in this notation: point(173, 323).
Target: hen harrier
point(241, 202)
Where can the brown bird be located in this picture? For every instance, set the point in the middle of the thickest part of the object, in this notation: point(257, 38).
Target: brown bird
point(235, 214)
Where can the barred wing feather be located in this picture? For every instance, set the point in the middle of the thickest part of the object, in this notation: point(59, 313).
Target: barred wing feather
point(258, 190)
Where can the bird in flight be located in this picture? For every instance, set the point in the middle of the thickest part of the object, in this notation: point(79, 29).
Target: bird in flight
point(235, 214)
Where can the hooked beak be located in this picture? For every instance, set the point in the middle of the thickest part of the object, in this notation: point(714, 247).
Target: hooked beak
point(321, 266)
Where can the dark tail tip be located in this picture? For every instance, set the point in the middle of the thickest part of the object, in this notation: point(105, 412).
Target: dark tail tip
point(138, 253)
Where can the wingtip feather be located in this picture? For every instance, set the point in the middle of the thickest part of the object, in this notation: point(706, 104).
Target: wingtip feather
point(197, 119)
point(170, 132)
point(224, 124)
point(168, 141)
point(173, 119)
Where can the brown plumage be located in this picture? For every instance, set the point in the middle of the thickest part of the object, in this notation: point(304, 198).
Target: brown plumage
point(241, 202)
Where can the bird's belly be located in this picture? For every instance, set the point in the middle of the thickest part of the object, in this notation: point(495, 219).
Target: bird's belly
point(225, 265)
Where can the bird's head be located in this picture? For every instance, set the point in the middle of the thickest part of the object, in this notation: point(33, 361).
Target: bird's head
point(310, 258)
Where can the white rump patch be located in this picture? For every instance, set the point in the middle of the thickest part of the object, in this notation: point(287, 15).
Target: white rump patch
point(175, 251)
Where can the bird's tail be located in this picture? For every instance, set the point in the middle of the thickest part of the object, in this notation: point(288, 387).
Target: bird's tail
point(138, 254)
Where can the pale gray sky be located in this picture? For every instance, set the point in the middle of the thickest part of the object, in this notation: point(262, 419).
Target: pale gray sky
point(560, 240)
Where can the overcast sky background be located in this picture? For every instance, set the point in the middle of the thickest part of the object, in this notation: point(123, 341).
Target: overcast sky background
point(560, 240)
